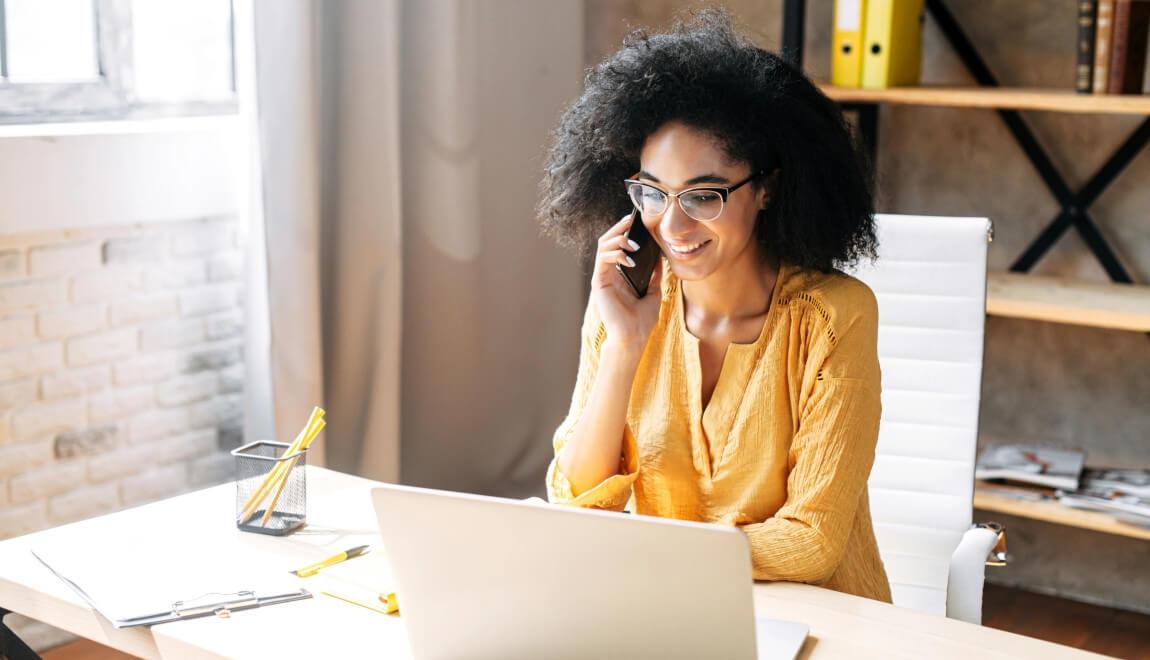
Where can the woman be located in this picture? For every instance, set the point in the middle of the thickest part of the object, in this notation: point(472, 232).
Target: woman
point(744, 387)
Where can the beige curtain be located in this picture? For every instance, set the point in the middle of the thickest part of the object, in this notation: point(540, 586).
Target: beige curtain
point(408, 287)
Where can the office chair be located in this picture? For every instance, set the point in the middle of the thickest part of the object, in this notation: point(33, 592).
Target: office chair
point(930, 281)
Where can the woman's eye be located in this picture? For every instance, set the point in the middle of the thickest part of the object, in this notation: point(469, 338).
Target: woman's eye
point(652, 195)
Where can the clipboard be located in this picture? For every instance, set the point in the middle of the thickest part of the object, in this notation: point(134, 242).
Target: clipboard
point(208, 604)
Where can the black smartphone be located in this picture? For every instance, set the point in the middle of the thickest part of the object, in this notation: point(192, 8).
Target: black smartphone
point(645, 257)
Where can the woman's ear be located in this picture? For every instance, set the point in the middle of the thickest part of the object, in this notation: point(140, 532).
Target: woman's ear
point(766, 191)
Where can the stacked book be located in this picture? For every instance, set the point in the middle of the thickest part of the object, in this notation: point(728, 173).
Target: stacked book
point(1042, 473)
point(1112, 40)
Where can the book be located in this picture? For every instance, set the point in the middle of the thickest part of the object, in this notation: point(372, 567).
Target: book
point(847, 43)
point(892, 32)
point(1032, 464)
point(1128, 49)
point(1084, 69)
point(1103, 33)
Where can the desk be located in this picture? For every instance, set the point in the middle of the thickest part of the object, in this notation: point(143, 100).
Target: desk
point(341, 516)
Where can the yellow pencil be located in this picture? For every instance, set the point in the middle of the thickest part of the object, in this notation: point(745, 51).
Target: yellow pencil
point(287, 473)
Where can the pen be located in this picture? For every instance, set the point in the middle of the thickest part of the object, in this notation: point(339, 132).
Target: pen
point(312, 569)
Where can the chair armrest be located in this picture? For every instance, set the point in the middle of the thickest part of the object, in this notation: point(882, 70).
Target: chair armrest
point(967, 574)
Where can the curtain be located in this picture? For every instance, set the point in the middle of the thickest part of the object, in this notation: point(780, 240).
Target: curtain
point(408, 288)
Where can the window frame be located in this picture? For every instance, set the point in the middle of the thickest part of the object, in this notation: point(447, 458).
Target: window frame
point(111, 95)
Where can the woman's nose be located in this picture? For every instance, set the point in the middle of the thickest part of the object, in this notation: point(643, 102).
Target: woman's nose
point(675, 222)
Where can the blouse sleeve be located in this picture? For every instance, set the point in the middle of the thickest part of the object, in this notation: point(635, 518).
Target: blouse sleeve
point(614, 491)
point(830, 460)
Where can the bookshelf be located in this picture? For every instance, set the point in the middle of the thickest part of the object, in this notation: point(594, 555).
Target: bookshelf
point(1053, 512)
point(1010, 98)
point(1061, 300)
point(1117, 305)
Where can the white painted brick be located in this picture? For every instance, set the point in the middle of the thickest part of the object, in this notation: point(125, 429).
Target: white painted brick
point(21, 520)
point(232, 379)
point(120, 462)
point(11, 264)
point(47, 481)
point(104, 347)
point(31, 295)
point(213, 356)
point(187, 389)
point(205, 300)
point(154, 484)
point(225, 268)
point(171, 334)
point(158, 424)
point(71, 321)
point(149, 368)
point(30, 361)
point(48, 417)
point(108, 283)
point(225, 326)
point(84, 503)
point(184, 447)
point(142, 309)
point(91, 441)
point(63, 259)
point(120, 403)
point(127, 249)
point(208, 238)
point(217, 411)
point(17, 393)
point(18, 331)
point(75, 381)
point(215, 468)
point(175, 275)
point(20, 457)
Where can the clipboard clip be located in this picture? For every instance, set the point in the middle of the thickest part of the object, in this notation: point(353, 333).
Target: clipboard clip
point(211, 604)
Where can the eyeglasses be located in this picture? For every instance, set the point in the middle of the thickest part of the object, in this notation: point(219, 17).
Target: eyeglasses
point(703, 204)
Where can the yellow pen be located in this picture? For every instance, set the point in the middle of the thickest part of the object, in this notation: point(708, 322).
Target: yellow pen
point(312, 569)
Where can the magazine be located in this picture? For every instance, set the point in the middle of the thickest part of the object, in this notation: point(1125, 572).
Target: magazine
point(1108, 500)
point(1032, 464)
point(1128, 482)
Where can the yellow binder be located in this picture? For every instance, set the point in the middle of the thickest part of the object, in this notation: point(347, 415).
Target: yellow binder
point(892, 55)
point(847, 43)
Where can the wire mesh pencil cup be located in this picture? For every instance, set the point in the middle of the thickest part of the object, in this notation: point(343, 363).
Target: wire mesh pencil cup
point(255, 461)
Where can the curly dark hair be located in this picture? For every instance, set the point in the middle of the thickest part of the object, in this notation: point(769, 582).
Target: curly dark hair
point(759, 108)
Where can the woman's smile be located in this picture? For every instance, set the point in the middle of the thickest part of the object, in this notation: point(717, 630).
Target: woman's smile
point(684, 251)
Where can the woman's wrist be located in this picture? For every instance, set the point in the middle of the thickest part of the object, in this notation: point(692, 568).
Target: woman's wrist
point(621, 353)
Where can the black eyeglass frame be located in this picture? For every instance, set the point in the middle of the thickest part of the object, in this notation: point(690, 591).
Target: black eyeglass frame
point(723, 191)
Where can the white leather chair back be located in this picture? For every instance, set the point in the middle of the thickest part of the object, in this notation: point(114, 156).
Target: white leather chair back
point(930, 281)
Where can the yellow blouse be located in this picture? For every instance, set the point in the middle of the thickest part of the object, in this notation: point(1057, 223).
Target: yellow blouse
point(783, 449)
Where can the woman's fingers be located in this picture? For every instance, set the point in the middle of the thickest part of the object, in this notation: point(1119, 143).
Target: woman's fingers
point(616, 230)
point(616, 257)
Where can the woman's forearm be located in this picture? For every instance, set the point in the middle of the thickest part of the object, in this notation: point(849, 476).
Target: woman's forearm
point(592, 453)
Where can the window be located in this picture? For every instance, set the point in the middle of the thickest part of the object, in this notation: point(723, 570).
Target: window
point(67, 60)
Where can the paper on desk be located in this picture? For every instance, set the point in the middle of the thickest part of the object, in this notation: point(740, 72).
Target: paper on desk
point(131, 582)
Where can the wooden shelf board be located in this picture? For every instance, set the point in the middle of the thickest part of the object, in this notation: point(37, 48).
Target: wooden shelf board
point(1062, 300)
point(1054, 512)
point(1015, 98)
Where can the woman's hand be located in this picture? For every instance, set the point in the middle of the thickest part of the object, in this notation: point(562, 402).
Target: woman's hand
point(628, 319)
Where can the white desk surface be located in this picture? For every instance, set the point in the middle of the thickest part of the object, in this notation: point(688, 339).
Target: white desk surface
point(341, 516)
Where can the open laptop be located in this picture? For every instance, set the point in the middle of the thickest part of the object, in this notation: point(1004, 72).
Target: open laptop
point(485, 577)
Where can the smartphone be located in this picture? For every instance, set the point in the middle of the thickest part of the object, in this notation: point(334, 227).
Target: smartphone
point(645, 257)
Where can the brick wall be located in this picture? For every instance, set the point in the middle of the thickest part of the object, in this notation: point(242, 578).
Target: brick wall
point(120, 367)
point(121, 372)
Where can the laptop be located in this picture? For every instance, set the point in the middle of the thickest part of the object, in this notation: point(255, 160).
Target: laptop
point(486, 577)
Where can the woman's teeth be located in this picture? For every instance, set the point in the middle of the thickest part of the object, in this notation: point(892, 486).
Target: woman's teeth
point(690, 248)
